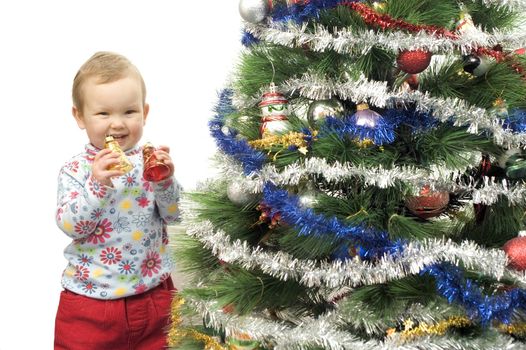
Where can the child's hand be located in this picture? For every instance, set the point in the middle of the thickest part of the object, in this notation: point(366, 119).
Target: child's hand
point(163, 154)
point(103, 160)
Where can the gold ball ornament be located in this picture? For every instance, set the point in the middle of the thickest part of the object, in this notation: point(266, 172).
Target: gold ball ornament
point(428, 203)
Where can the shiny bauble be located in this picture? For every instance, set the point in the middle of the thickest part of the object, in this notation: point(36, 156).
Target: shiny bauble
point(254, 11)
point(238, 195)
point(366, 117)
point(516, 251)
point(513, 161)
point(321, 109)
point(476, 65)
point(428, 203)
point(307, 199)
point(413, 61)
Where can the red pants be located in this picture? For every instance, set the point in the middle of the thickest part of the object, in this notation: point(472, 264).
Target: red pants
point(138, 322)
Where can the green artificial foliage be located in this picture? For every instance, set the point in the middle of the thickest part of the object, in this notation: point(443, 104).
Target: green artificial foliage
point(379, 230)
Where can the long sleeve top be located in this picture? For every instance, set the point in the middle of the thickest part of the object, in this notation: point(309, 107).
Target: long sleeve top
point(119, 238)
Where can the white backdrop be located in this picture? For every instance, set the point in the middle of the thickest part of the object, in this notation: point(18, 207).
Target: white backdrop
point(185, 51)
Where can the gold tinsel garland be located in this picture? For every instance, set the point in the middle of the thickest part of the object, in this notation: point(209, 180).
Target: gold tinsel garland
point(516, 329)
point(176, 333)
point(410, 331)
point(290, 139)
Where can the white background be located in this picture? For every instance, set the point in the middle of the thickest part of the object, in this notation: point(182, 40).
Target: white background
point(185, 50)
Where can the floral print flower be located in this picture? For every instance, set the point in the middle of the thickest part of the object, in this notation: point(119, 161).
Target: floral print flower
point(84, 227)
point(130, 180)
point(89, 287)
point(141, 219)
point(147, 186)
point(73, 166)
point(96, 214)
point(143, 201)
point(151, 264)
point(140, 288)
point(85, 260)
point(101, 232)
point(127, 267)
point(81, 273)
point(110, 256)
point(96, 188)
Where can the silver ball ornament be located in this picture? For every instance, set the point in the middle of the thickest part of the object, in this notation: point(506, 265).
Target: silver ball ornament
point(321, 109)
point(238, 195)
point(254, 11)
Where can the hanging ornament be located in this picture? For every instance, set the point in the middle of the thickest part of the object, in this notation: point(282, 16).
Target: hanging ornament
point(500, 108)
point(428, 203)
point(379, 6)
point(321, 109)
point(254, 11)
point(476, 65)
point(520, 51)
point(238, 195)
point(515, 249)
point(297, 2)
point(366, 117)
point(465, 24)
point(410, 83)
point(484, 168)
point(308, 197)
point(268, 217)
point(242, 341)
point(413, 61)
point(274, 109)
point(513, 161)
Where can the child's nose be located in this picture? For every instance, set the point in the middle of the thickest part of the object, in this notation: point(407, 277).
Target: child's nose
point(116, 122)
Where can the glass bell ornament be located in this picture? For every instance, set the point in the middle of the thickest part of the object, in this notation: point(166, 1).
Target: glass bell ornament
point(366, 117)
point(274, 110)
point(154, 169)
point(124, 163)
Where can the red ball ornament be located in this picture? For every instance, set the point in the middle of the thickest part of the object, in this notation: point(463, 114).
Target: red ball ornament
point(413, 61)
point(428, 203)
point(516, 250)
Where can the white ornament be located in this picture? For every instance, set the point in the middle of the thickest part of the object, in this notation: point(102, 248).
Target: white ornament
point(238, 195)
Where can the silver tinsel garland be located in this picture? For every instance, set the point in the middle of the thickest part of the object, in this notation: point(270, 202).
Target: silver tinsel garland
point(436, 177)
point(414, 258)
point(378, 94)
point(347, 41)
point(323, 331)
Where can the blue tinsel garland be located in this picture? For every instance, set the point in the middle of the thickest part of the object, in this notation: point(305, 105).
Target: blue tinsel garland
point(302, 12)
point(227, 142)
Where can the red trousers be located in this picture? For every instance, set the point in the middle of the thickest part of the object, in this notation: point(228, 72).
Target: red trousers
point(138, 322)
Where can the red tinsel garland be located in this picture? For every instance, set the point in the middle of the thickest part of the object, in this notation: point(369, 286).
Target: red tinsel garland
point(371, 17)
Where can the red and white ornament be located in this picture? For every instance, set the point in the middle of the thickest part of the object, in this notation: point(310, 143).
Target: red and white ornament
point(274, 109)
point(516, 251)
point(413, 61)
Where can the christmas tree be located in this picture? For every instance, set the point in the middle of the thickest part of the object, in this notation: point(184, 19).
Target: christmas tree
point(373, 184)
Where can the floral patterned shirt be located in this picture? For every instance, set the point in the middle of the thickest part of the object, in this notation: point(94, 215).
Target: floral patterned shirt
point(120, 241)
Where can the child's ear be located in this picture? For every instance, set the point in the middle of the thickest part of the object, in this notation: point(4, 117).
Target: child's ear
point(145, 111)
point(78, 117)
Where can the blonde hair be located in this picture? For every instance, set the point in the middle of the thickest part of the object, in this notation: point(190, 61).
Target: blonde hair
point(106, 67)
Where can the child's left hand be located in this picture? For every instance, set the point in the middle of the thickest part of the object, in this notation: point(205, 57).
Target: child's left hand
point(163, 154)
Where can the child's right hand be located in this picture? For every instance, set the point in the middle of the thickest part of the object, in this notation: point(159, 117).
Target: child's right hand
point(102, 161)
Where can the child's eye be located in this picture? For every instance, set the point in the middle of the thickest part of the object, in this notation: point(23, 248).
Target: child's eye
point(103, 114)
point(131, 111)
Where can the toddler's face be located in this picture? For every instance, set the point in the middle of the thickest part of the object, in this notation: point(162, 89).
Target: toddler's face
point(114, 108)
